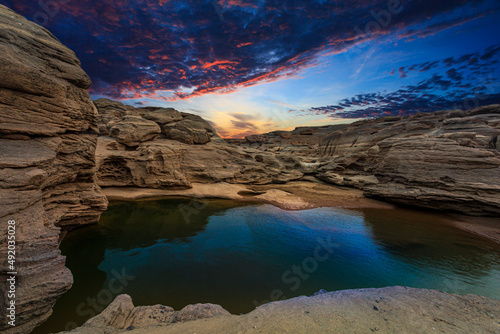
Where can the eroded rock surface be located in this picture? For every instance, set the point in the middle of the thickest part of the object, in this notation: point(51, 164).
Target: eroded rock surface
point(386, 310)
point(132, 126)
point(122, 314)
point(188, 151)
point(302, 141)
point(448, 160)
point(48, 136)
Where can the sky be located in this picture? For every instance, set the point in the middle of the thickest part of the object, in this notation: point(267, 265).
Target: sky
point(256, 66)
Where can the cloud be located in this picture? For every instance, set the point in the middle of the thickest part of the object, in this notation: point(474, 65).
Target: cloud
point(469, 84)
point(244, 125)
point(244, 117)
point(177, 49)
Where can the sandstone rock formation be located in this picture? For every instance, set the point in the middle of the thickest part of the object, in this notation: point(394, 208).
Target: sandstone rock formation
point(133, 130)
point(302, 141)
point(132, 126)
point(48, 135)
point(121, 314)
point(386, 310)
point(448, 160)
point(188, 151)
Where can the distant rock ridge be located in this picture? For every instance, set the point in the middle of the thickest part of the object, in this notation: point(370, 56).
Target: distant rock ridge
point(302, 141)
point(48, 136)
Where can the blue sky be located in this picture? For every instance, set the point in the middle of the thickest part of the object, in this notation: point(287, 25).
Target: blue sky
point(257, 66)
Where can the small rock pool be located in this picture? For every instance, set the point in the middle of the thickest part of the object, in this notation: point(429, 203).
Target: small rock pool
point(177, 252)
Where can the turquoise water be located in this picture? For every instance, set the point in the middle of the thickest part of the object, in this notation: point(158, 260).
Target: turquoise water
point(177, 252)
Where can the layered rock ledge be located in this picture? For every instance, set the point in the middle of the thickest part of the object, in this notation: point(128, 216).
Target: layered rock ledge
point(447, 160)
point(385, 310)
point(48, 136)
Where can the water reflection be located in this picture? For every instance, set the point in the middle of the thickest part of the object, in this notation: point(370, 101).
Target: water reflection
point(425, 239)
point(237, 255)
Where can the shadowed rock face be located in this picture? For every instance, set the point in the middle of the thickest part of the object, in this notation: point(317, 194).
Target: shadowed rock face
point(48, 136)
point(448, 160)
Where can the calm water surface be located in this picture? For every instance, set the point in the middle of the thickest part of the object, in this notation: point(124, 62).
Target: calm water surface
point(174, 252)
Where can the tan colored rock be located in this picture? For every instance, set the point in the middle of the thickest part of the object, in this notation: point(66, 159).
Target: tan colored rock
point(121, 314)
point(133, 130)
point(446, 160)
point(186, 128)
point(191, 130)
point(302, 141)
point(111, 112)
point(385, 310)
point(161, 116)
point(48, 136)
point(164, 163)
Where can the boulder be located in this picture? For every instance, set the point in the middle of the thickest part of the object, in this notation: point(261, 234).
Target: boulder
point(111, 112)
point(118, 121)
point(191, 130)
point(161, 116)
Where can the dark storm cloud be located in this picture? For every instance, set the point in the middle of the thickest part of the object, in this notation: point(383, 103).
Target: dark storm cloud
point(467, 86)
point(194, 47)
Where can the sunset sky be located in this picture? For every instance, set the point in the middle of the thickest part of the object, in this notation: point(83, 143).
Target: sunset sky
point(257, 66)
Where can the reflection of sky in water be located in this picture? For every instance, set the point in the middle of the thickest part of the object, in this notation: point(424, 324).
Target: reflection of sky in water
point(233, 254)
point(262, 242)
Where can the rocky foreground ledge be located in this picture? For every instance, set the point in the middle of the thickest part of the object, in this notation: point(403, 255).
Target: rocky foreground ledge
point(385, 310)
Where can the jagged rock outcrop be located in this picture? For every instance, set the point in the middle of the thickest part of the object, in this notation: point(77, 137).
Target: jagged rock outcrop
point(385, 310)
point(188, 150)
point(448, 160)
point(48, 135)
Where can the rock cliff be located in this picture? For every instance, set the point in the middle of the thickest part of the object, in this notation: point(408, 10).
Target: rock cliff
point(447, 160)
point(48, 136)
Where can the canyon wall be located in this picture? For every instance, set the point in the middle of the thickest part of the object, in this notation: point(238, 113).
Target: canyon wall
point(48, 136)
point(447, 160)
